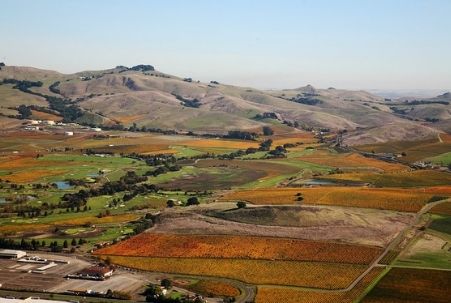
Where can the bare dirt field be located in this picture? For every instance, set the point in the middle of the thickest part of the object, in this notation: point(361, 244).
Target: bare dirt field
point(339, 224)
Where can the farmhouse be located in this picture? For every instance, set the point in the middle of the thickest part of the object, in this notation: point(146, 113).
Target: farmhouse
point(50, 122)
point(93, 273)
point(68, 133)
point(12, 254)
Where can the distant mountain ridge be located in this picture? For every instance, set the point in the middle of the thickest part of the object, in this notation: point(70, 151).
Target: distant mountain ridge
point(147, 97)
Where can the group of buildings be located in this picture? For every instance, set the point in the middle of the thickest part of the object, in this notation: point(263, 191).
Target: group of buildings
point(37, 125)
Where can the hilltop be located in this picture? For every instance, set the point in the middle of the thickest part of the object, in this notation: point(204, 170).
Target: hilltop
point(146, 97)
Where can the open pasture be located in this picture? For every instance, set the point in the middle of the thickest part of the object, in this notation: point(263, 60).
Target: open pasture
point(224, 174)
point(294, 273)
point(391, 199)
point(429, 250)
point(240, 247)
point(414, 150)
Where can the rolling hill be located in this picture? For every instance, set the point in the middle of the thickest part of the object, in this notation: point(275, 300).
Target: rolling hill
point(153, 99)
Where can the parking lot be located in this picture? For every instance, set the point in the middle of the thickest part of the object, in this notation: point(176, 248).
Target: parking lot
point(21, 275)
point(15, 275)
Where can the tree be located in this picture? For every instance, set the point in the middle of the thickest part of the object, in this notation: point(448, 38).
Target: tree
point(107, 261)
point(267, 131)
point(65, 244)
point(74, 242)
point(24, 111)
point(109, 293)
point(166, 283)
point(192, 201)
point(170, 203)
point(241, 204)
point(265, 145)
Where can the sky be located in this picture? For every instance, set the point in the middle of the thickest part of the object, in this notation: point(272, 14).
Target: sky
point(360, 44)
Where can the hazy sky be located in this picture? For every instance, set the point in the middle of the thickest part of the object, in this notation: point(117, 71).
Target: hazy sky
point(266, 44)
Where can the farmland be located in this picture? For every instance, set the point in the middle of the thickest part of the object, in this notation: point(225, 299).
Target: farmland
point(418, 178)
point(319, 213)
point(407, 285)
point(267, 294)
point(214, 288)
point(236, 247)
point(305, 274)
point(386, 198)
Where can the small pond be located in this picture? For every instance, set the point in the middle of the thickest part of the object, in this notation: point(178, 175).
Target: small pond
point(63, 185)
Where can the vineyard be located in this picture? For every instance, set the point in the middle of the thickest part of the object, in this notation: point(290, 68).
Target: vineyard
point(294, 273)
point(292, 295)
point(397, 179)
point(391, 199)
point(240, 247)
point(350, 161)
point(442, 209)
point(403, 284)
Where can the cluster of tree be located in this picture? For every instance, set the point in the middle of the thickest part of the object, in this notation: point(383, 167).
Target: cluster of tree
point(136, 128)
point(154, 294)
point(162, 170)
point(278, 152)
point(23, 244)
point(140, 189)
point(265, 145)
point(267, 131)
point(145, 223)
point(54, 88)
point(192, 201)
point(90, 151)
point(419, 102)
point(232, 155)
point(398, 111)
point(23, 85)
point(73, 243)
point(24, 112)
point(195, 103)
point(142, 68)
point(306, 100)
point(153, 160)
point(32, 212)
point(242, 135)
point(295, 124)
point(65, 107)
point(128, 182)
point(432, 120)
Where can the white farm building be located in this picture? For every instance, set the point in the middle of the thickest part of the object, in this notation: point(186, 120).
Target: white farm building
point(12, 254)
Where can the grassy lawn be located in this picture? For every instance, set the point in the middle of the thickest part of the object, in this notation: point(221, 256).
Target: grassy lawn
point(441, 223)
point(430, 250)
point(443, 159)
